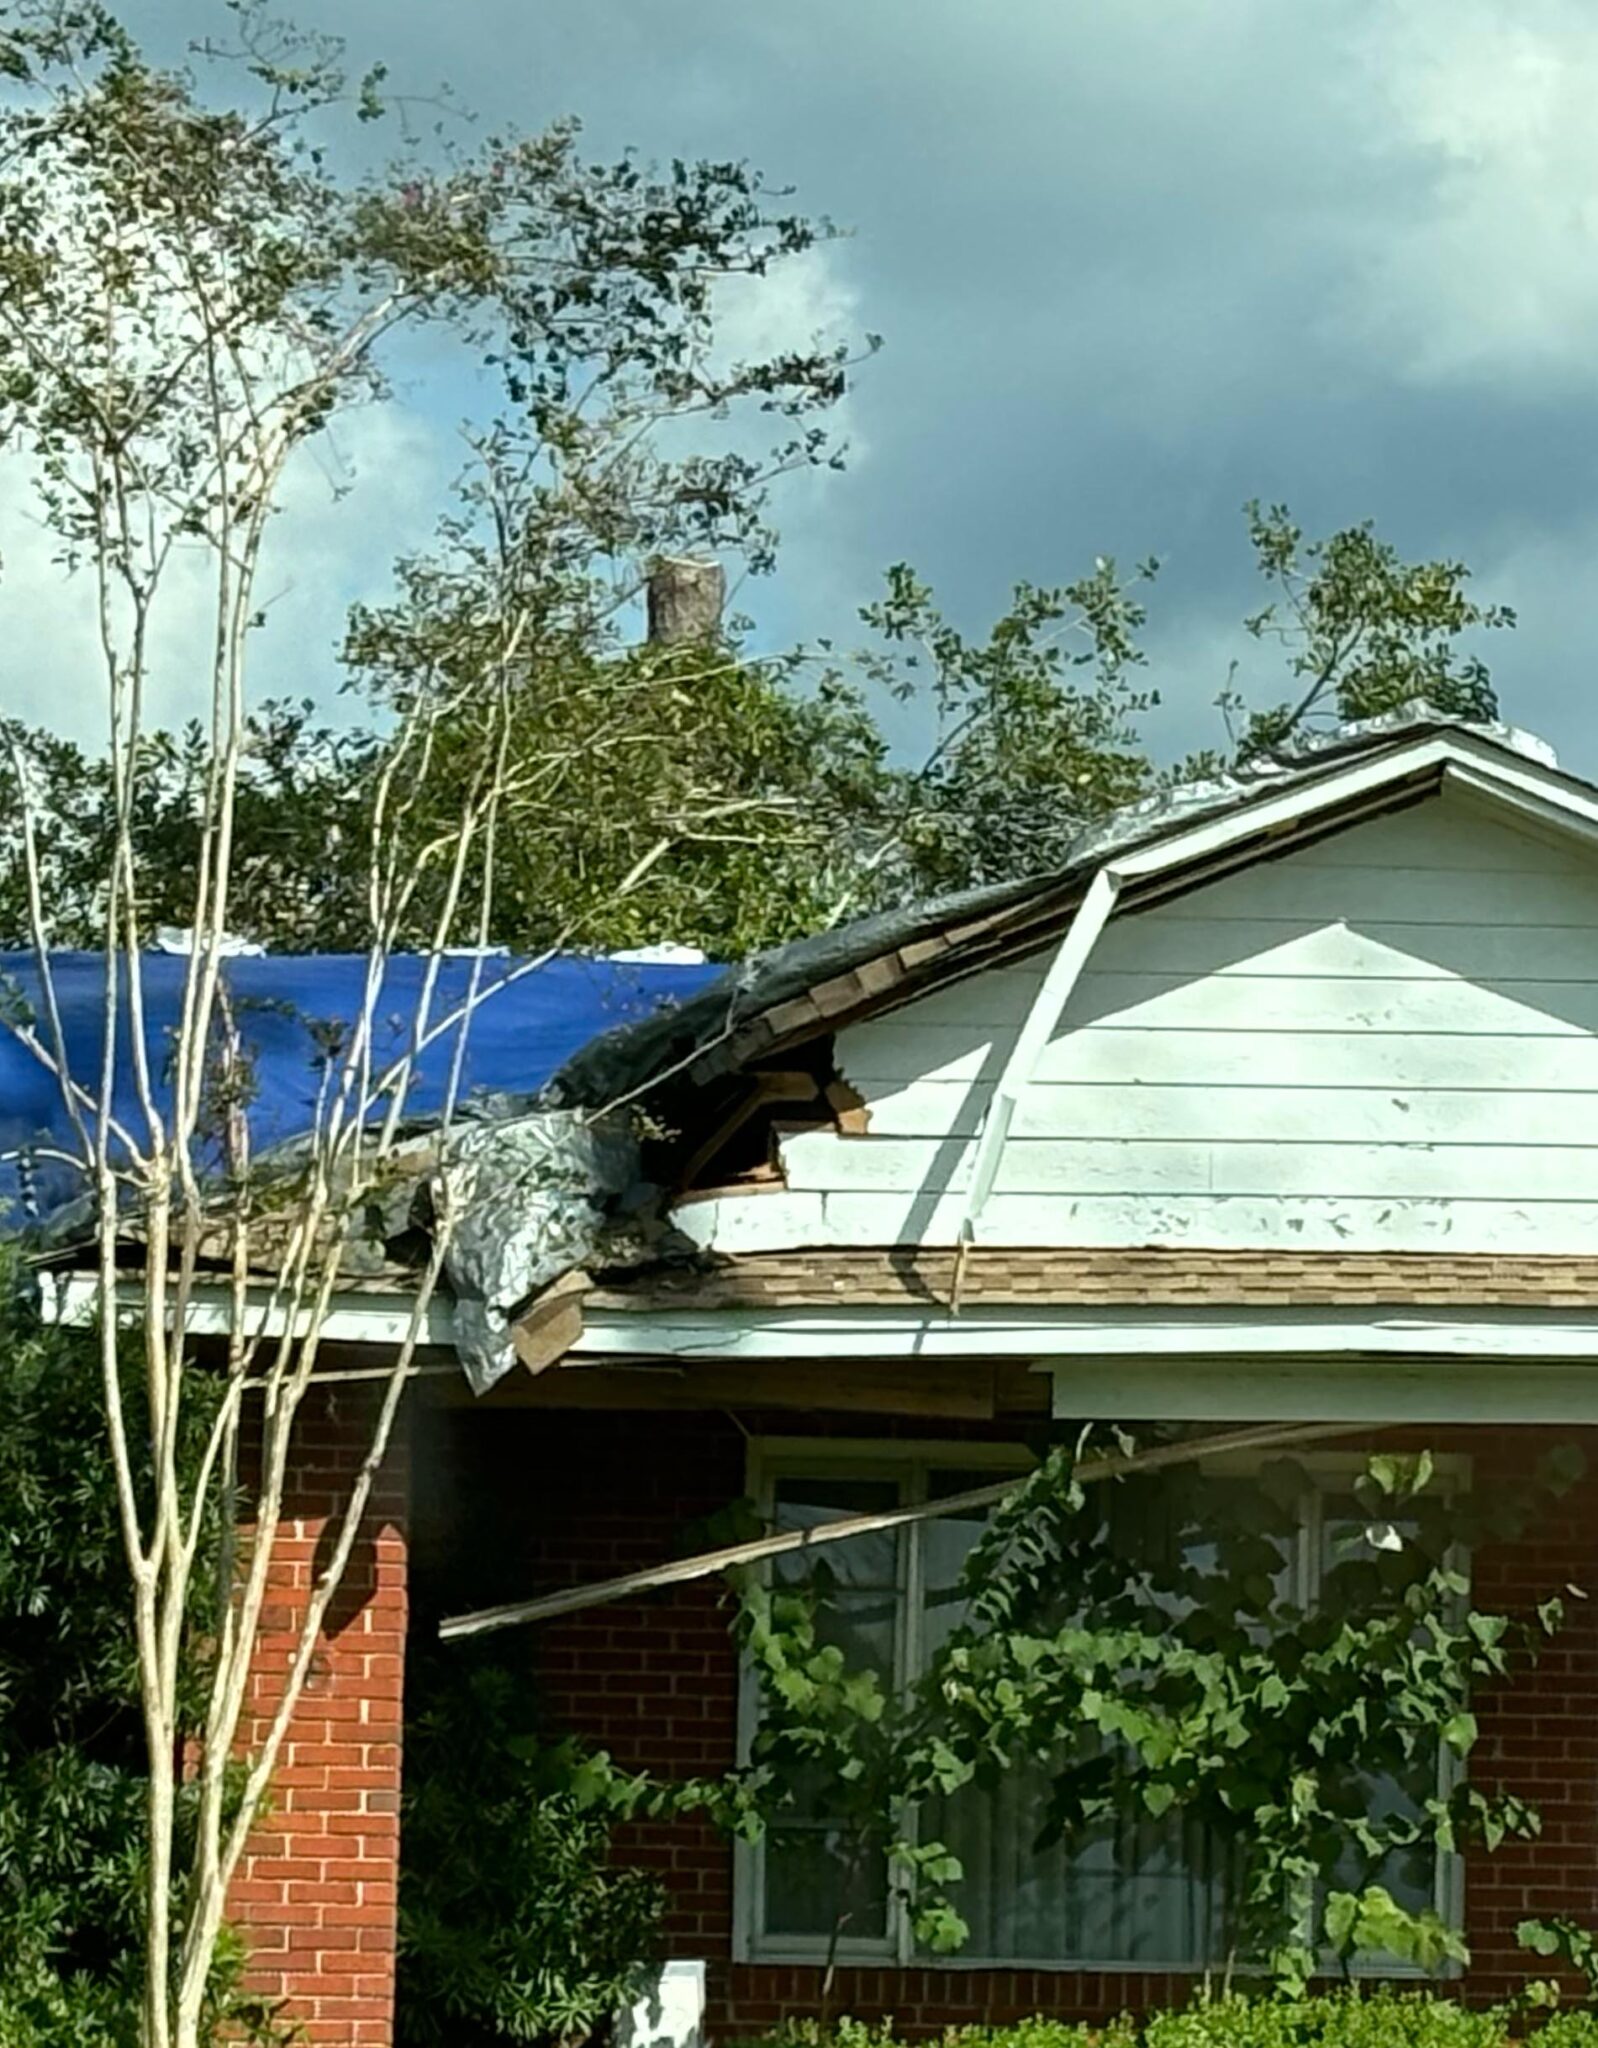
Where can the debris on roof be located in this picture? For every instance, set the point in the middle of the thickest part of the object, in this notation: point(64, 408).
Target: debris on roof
point(623, 1063)
point(535, 1197)
point(180, 939)
point(545, 1174)
point(665, 952)
point(560, 1188)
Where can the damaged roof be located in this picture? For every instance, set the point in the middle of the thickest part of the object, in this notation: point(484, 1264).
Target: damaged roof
point(694, 1063)
point(545, 1184)
point(794, 992)
point(287, 1005)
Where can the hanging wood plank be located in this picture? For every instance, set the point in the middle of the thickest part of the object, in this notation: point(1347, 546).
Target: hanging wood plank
point(548, 1328)
point(573, 1599)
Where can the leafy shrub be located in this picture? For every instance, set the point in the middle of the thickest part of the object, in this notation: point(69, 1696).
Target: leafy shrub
point(72, 1773)
point(514, 1926)
point(71, 1786)
point(1382, 2020)
point(1345, 2019)
point(1144, 1651)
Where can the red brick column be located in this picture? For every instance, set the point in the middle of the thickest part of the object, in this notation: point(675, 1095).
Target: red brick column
point(1539, 1734)
point(316, 1896)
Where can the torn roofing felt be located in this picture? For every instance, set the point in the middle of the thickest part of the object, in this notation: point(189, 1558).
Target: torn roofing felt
point(535, 1197)
point(715, 1028)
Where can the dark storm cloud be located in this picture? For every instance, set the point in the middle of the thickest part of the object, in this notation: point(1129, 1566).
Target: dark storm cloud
point(1136, 261)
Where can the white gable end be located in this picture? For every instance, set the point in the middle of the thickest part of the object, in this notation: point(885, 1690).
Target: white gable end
point(1388, 1041)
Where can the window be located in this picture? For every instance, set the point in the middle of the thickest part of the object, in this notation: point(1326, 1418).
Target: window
point(1145, 1894)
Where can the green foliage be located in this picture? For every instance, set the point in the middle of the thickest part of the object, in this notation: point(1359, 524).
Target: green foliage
point(71, 1784)
point(1345, 2019)
point(701, 793)
point(1034, 730)
point(72, 1780)
point(515, 1923)
point(652, 791)
point(1568, 2030)
point(303, 816)
point(1363, 631)
point(1571, 1944)
point(1162, 1663)
point(747, 788)
point(1387, 2019)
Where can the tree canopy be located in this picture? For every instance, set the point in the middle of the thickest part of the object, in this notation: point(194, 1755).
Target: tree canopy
point(707, 796)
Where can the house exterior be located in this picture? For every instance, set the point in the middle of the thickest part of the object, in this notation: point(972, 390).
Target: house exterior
point(1280, 1106)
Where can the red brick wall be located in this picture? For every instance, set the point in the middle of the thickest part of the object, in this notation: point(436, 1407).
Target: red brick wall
point(316, 1894)
point(655, 1682)
point(1539, 1737)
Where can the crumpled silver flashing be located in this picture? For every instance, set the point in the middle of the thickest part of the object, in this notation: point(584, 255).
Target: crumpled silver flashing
point(527, 1199)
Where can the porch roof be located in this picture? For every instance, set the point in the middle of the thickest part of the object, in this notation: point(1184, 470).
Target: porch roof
point(893, 1277)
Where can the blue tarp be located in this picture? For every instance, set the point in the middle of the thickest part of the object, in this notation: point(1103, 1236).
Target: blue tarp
point(517, 1039)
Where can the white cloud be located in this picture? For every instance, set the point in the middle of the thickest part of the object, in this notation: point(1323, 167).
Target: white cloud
point(800, 299)
point(1491, 270)
point(805, 301)
point(351, 502)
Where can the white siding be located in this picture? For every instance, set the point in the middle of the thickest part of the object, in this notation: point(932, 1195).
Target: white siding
point(1387, 1041)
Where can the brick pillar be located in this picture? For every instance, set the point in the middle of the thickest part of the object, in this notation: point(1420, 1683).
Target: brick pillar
point(1539, 1736)
point(317, 1893)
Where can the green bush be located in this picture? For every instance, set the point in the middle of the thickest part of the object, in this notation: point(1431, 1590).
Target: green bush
point(72, 1776)
point(1381, 2020)
point(1343, 2019)
point(514, 1924)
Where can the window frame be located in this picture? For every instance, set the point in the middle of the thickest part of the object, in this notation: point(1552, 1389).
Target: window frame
point(908, 1462)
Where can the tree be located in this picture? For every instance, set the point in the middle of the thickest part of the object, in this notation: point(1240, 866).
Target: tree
point(747, 796)
point(677, 791)
point(1133, 1638)
point(73, 1850)
point(1043, 727)
point(301, 825)
point(769, 783)
point(1034, 731)
point(189, 293)
point(1363, 631)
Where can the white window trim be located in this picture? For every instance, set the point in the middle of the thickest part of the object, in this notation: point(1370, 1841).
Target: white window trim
point(769, 1458)
point(1448, 1876)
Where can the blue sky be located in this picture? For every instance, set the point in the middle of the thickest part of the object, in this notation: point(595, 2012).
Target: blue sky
point(1134, 262)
